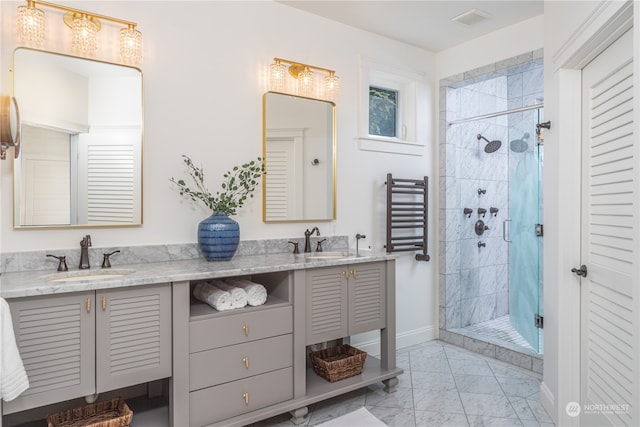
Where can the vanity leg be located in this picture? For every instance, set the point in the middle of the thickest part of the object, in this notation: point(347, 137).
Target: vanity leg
point(297, 416)
point(390, 385)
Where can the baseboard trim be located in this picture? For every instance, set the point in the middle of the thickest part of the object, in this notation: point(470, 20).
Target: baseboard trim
point(404, 339)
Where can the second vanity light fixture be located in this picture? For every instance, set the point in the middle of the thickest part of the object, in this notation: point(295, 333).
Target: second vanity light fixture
point(300, 79)
point(84, 27)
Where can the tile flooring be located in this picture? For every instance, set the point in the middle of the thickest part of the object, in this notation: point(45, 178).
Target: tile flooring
point(442, 385)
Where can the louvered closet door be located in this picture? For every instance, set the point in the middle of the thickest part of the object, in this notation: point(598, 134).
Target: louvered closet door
point(133, 336)
point(609, 237)
point(56, 342)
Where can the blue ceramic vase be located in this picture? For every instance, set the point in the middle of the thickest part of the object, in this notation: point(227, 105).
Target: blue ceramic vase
point(218, 237)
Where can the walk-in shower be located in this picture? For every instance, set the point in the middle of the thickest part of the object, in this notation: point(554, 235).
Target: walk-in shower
point(491, 240)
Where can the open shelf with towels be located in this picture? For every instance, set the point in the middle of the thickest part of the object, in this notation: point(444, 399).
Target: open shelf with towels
point(407, 213)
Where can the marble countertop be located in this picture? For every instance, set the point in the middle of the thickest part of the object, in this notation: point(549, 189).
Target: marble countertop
point(33, 283)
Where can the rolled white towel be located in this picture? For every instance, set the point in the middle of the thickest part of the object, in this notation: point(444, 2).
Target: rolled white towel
point(238, 295)
point(256, 293)
point(215, 297)
point(13, 377)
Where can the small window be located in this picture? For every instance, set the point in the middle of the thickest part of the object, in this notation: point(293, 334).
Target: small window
point(383, 112)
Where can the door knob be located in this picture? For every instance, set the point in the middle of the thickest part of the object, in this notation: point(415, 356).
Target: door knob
point(582, 271)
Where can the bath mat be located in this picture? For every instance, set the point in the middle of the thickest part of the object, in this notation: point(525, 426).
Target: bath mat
point(359, 418)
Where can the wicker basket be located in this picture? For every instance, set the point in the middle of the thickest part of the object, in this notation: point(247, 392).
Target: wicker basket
point(337, 363)
point(110, 413)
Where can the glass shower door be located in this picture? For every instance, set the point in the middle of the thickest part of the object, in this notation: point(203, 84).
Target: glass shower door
point(525, 247)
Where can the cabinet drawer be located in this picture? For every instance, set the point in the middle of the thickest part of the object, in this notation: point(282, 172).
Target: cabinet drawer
point(222, 331)
point(213, 367)
point(228, 400)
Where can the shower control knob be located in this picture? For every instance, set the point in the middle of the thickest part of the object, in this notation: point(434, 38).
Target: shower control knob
point(582, 271)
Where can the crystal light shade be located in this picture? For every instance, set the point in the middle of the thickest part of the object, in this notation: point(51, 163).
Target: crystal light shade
point(130, 45)
point(305, 82)
point(332, 86)
point(278, 76)
point(30, 25)
point(84, 39)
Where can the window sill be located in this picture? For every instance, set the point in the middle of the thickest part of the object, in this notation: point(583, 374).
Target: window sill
point(388, 145)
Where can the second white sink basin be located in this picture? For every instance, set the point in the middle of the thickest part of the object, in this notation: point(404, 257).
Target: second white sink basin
point(77, 276)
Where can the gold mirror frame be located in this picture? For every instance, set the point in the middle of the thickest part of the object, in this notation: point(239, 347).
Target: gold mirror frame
point(297, 133)
point(48, 122)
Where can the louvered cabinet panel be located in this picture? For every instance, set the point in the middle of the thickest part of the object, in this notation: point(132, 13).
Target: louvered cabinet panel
point(133, 336)
point(367, 284)
point(55, 336)
point(326, 304)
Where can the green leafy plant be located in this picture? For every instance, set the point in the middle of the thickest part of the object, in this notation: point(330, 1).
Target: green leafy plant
point(238, 185)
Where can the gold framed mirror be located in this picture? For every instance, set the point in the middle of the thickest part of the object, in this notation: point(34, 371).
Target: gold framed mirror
point(299, 147)
point(81, 142)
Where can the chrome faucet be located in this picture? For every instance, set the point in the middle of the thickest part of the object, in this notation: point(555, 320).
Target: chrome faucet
point(307, 242)
point(84, 252)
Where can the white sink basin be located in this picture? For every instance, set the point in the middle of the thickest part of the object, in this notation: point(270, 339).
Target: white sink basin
point(327, 255)
point(77, 276)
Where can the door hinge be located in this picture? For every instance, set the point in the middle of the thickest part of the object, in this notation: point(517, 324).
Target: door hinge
point(538, 321)
point(539, 230)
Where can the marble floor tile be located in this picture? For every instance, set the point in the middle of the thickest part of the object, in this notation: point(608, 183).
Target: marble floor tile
point(481, 421)
point(442, 385)
point(487, 405)
point(440, 419)
point(477, 384)
point(438, 401)
point(436, 381)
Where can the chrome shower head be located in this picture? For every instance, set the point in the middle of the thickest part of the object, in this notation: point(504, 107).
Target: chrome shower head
point(520, 145)
point(492, 146)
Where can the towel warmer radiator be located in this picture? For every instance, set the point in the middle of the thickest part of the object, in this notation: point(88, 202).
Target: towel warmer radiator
point(407, 215)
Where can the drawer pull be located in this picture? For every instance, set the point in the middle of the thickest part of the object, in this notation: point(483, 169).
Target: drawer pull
point(345, 273)
point(245, 328)
point(89, 305)
point(354, 273)
point(245, 396)
point(245, 360)
point(104, 303)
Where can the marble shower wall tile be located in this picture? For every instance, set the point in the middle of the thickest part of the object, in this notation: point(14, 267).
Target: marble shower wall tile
point(482, 280)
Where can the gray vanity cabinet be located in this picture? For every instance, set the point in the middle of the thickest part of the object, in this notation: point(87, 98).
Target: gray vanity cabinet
point(345, 300)
point(133, 336)
point(55, 336)
point(78, 344)
point(239, 361)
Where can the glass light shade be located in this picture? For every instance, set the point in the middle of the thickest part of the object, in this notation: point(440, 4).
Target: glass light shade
point(130, 45)
point(278, 76)
point(305, 82)
point(30, 25)
point(332, 86)
point(84, 35)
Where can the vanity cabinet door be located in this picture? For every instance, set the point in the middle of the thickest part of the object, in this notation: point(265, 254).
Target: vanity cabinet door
point(367, 285)
point(55, 336)
point(327, 317)
point(345, 300)
point(133, 336)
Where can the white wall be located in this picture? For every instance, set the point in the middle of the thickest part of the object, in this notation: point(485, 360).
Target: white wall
point(203, 81)
point(511, 41)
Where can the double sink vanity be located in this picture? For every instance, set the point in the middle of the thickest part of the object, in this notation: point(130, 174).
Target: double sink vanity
point(86, 332)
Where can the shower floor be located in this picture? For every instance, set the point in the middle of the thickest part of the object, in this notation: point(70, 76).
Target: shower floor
point(499, 331)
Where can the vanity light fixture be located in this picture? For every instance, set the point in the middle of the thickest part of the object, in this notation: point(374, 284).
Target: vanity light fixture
point(301, 80)
point(84, 26)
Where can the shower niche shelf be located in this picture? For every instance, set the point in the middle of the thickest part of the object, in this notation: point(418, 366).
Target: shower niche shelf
point(407, 213)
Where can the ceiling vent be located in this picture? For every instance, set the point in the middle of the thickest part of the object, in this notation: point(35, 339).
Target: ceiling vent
point(471, 17)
